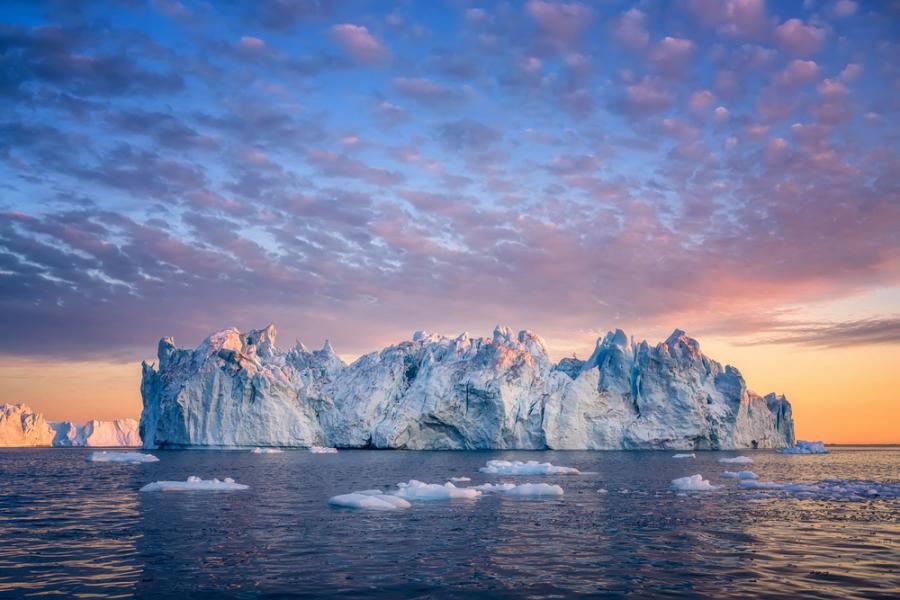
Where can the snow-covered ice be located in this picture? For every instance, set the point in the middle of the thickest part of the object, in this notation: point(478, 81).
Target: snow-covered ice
point(122, 457)
point(693, 483)
point(267, 451)
point(739, 475)
point(417, 490)
point(369, 500)
point(737, 460)
point(194, 483)
point(691, 455)
point(322, 450)
point(534, 490)
point(460, 479)
point(806, 448)
point(532, 467)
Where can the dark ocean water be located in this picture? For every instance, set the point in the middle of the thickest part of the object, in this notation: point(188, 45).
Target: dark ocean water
point(78, 529)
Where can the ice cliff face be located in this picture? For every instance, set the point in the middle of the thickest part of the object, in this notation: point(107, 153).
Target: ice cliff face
point(436, 392)
point(21, 426)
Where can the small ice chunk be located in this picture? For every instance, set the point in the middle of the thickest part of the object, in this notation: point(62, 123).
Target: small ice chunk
point(534, 490)
point(532, 467)
point(691, 455)
point(805, 448)
point(134, 458)
point(267, 451)
point(369, 500)
point(460, 479)
point(693, 483)
point(494, 487)
point(739, 475)
point(602, 491)
point(194, 483)
point(322, 450)
point(417, 490)
point(737, 460)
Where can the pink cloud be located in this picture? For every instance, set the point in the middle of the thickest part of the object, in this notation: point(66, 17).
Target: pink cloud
point(671, 56)
point(844, 8)
point(562, 24)
point(358, 43)
point(800, 38)
point(630, 29)
point(426, 91)
point(700, 101)
point(739, 19)
point(798, 73)
point(646, 96)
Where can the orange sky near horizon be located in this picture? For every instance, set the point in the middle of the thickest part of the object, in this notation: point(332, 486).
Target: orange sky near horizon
point(847, 395)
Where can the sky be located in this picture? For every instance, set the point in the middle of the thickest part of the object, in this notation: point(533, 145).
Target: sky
point(360, 170)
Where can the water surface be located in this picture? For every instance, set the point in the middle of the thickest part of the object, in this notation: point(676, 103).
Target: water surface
point(80, 529)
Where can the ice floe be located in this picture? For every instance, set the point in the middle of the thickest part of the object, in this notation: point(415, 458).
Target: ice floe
point(691, 455)
point(739, 475)
point(134, 458)
point(806, 448)
point(322, 450)
point(418, 490)
point(460, 479)
point(534, 490)
point(194, 483)
point(267, 451)
point(737, 460)
point(693, 483)
point(532, 467)
point(369, 500)
point(494, 487)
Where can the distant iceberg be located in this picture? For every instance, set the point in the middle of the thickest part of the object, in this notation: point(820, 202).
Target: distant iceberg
point(21, 426)
point(806, 448)
point(691, 455)
point(534, 490)
point(417, 490)
point(122, 457)
point(322, 450)
point(194, 483)
point(267, 451)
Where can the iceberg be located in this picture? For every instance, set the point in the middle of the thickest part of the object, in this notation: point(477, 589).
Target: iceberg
point(194, 483)
point(322, 450)
point(534, 490)
point(267, 451)
point(417, 490)
point(369, 500)
point(21, 426)
point(494, 487)
point(693, 483)
point(739, 475)
point(691, 455)
point(460, 479)
point(737, 460)
point(532, 467)
point(806, 448)
point(434, 392)
point(122, 457)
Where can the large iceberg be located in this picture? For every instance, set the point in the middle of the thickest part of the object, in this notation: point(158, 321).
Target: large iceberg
point(22, 426)
point(437, 392)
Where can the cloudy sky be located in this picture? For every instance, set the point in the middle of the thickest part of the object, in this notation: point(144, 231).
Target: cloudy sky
point(358, 170)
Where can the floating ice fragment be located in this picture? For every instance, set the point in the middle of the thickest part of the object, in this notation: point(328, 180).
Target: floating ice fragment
point(534, 490)
point(417, 490)
point(460, 479)
point(739, 475)
point(134, 458)
point(267, 451)
point(806, 448)
point(691, 455)
point(602, 491)
point(737, 460)
point(369, 500)
point(194, 483)
point(532, 467)
point(322, 450)
point(494, 487)
point(693, 483)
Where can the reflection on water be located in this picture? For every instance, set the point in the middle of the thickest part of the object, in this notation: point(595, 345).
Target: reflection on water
point(81, 529)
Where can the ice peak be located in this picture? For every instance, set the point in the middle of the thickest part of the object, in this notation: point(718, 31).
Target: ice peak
point(502, 335)
point(326, 347)
point(420, 336)
point(616, 338)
